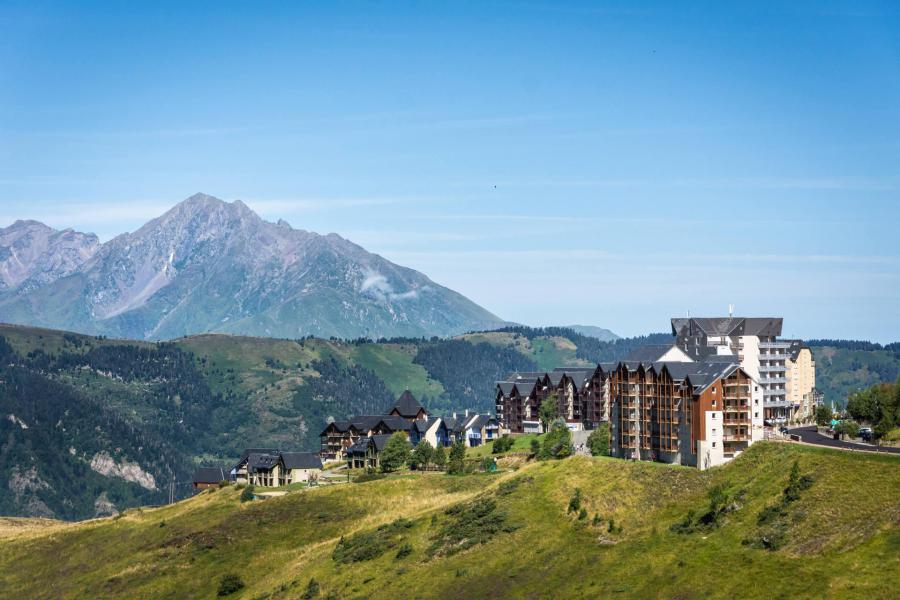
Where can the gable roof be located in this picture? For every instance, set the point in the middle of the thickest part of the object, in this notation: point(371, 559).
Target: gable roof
point(478, 421)
point(649, 353)
point(301, 460)
point(407, 405)
point(209, 475)
point(380, 441)
point(261, 462)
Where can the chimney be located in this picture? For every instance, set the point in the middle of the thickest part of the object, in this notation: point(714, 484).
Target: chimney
point(467, 412)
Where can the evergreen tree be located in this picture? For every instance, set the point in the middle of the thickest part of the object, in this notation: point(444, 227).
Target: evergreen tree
point(439, 457)
point(395, 453)
point(421, 455)
point(598, 441)
point(557, 442)
point(457, 458)
point(547, 412)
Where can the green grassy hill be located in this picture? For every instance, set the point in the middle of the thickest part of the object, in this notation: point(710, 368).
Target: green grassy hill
point(511, 534)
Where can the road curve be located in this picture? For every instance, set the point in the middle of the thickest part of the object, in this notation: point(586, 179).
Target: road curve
point(810, 435)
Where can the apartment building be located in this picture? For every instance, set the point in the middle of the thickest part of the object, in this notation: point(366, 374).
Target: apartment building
point(581, 398)
point(754, 341)
point(801, 381)
point(699, 414)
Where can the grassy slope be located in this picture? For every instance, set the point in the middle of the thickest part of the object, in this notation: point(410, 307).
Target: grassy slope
point(548, 352)
point(393, 364)
point(842, 543)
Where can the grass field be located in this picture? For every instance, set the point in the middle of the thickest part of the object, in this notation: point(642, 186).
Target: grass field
point(393, 364)
point(842, 537)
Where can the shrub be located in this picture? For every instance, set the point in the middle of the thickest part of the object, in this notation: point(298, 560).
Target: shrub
point(597, 520)
point(247, 494)
point(598, 440)
point(574, 502)
point(503, 444)
point(224, 483)
point(535, 448)
point(367, 545)
point(471, 524)
point(404, 550)
point(229, 584)
point(582, 515)
point(312, 590)
point(558, 442)
point(488, 464)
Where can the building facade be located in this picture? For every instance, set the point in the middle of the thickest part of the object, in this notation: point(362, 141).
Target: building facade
point(801, 382)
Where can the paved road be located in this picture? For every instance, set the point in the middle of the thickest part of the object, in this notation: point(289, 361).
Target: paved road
point(811, 436)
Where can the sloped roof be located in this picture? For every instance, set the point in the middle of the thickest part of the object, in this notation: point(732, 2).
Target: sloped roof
point(301, 460)
point(761, 326)
point(506, 387)
point(380, 441)
point(209, 475)
point(407, 405)
point(478, 421)
point(339, 426)
point(649, 353)
point(796, 347)
point(261, 462)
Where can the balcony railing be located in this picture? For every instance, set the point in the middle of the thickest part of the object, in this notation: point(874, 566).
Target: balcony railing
point(770, 380)
point(774, 345)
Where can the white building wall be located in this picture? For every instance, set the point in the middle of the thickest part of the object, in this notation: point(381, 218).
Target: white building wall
point(710, 451)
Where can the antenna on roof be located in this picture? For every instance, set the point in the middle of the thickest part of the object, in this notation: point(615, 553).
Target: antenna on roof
point(730, 311)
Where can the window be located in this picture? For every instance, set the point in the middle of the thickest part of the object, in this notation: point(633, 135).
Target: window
point(714, 431)
point(756, 415)
point(714, 415)
point(714, 444)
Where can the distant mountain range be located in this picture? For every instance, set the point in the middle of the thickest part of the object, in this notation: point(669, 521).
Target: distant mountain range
point(604, 335)
point(212, 266)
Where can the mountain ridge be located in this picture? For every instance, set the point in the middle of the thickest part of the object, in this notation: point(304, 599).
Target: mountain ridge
point(207, 265)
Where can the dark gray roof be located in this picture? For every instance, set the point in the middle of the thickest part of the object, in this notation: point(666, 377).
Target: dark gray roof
point(301, 460)
point(246, 455)
point(339, 426)
point(261, 462)
point(209, 475)
point(649, 353)
point(478, 421)
point(760, 326)
point(423, 425)
point(452, 423)
point(796, 347)
point(380, 441)
point(506, 387)
point(407, 405)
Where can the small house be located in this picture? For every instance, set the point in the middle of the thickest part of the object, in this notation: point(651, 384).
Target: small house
point(364, 454)
point(208, 477)
point(300, 467)
point(433, 430)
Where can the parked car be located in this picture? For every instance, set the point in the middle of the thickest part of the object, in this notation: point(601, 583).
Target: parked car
point(866, 434)
point(782, 429)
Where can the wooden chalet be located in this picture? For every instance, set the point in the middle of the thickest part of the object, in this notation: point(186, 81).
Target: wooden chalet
point(208, 477)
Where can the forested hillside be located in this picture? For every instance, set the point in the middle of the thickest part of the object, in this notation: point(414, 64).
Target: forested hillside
point(847, 366)
point(90, 425)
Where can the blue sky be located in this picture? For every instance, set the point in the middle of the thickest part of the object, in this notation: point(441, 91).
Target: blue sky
point(613, 164)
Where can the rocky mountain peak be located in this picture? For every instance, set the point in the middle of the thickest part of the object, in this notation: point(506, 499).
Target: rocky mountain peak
point(209, 265)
